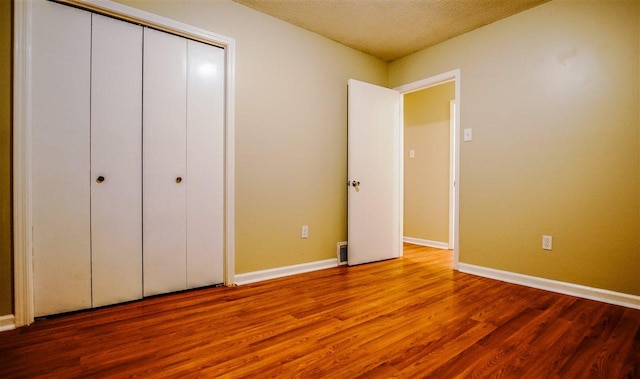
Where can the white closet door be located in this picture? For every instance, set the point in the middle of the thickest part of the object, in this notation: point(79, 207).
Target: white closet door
point(116, 161)
point(61, 59)
point(205, 164)
point(164, 162)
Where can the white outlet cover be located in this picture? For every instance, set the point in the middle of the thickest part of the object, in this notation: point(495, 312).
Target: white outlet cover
point(468, 135)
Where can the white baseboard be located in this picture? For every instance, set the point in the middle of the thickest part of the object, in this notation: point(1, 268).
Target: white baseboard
point(258, 276)
point(7, 323)
point(605, 296)
point(421, 242)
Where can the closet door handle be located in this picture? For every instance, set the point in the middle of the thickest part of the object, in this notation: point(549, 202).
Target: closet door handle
point(178, 179)
point(100, 179)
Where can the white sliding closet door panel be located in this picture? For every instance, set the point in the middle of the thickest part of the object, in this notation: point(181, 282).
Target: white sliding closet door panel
point(164, 162)
point(205, 164)
point(60, 87)
point(116, 161)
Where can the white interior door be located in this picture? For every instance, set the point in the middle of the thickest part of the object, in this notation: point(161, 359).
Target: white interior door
point(374, 172)
point(205, 164)
point(61, 48)
point(164, 162)
point(116, 161)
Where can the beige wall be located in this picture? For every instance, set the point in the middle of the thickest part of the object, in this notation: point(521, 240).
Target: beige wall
point(552, 97)
point(426, 175)
point(291, 128)
point(6, 292)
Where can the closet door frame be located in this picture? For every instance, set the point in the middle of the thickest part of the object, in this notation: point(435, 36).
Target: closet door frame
point(22, 148)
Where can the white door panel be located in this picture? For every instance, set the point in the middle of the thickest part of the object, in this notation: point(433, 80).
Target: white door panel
point(374, 164)
point(116, 156)
point(128, 160)
point(60, 82)
point(164, 162)
point(205, 164)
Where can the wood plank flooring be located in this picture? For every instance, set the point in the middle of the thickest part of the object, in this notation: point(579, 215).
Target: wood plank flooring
point(405, 318)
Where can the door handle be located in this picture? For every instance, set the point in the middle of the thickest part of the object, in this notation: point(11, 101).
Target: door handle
point(356, 185)
point(178, 179)
point(100, 179)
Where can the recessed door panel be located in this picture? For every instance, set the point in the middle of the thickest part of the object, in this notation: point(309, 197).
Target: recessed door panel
point(116, 161)
point(61, 58)
point(205, 164)
point(164, 162)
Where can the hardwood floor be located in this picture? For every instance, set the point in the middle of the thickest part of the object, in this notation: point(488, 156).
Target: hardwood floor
point(407, 318)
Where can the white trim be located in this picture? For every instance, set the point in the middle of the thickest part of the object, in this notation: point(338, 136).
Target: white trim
point(605, 296)
point(23, 264)
point(230, 166)
point(7, 323)
point(433, 81)
point(446, 77)
point(279, 272)
point(22, 238)
point(456, 215)
point(452, 173)
point(428, 243)
point(400, 153)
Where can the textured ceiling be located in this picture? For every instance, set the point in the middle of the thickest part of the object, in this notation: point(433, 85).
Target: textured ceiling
point(390, 29)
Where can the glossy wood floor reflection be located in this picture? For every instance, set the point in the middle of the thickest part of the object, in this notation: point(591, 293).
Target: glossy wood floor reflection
point(407, 318)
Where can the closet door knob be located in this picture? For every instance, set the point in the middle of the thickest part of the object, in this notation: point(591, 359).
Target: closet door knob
point(100, 179)
point(178, 179)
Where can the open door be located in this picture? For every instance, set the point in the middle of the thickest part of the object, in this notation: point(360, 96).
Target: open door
point(374, 173)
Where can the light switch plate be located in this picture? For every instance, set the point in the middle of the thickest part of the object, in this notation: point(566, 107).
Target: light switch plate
point(468, 136)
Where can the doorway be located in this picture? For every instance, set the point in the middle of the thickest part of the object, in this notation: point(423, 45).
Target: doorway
point(451, 169)
point(427, 166)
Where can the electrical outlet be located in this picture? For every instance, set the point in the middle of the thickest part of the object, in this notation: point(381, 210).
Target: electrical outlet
point(305, 231)
point(547, 243)
point(467, 135)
